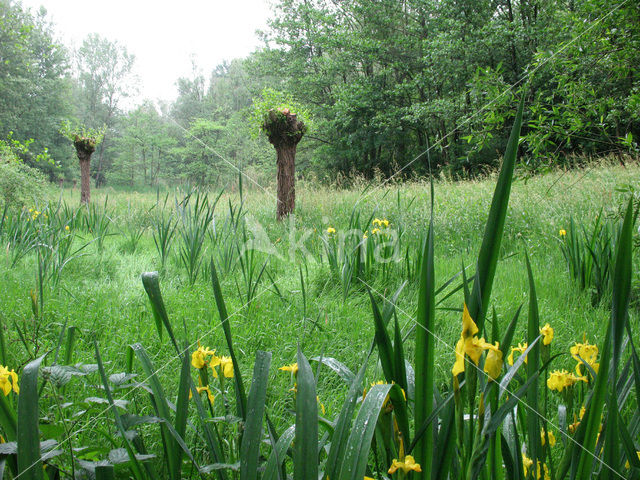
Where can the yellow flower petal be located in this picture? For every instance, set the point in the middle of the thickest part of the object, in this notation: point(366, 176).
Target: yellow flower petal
point(561, 379)
point(552, 438)
point(547, 334)
point(458, 366)
point(293, 368)
point(520, 348)
point(493, 362)
point(469, 327)
point(406, 466)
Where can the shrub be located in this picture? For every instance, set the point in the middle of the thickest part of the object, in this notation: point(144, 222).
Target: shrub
point(19, 183)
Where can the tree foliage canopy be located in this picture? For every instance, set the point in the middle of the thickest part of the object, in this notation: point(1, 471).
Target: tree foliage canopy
point(377, 82)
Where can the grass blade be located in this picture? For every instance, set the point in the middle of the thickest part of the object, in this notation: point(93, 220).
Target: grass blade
point(533, 362)
point(241, 396)
point(490, 248)
point(152, 287)
point(383, 342)
point(3, 348)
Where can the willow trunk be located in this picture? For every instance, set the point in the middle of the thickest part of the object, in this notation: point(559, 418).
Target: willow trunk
point(286, 161)
point(85, 179)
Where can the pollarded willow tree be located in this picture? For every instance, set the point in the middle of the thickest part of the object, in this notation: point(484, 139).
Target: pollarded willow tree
point(284, 129)
point(85, 141)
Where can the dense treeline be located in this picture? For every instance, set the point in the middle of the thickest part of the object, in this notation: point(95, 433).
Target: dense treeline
point(382, 80)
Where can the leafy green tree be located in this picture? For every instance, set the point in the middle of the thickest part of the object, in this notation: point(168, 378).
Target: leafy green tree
point(145, 147)
point(34, 89)
point(104, 79)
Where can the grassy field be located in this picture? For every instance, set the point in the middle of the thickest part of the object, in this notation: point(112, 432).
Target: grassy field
point(284, 293)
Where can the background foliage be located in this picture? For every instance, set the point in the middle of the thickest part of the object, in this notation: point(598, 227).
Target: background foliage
point(382, 81)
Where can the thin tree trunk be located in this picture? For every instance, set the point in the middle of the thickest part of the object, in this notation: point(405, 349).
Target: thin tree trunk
point(85, 180)
point(284, 131)
point(84, 148)
point(286, 180)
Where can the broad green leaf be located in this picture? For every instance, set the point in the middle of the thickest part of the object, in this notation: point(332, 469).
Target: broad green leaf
point(278, 454)
point(400, 373)
point(444, 448)
point(305, 459)
point(611, 350)
point(28, 435)
point(161, 406)
point(182, 408)
point(105, 472)
point(252, 437)
point(340, 368)
point(343, 424)
point(136, 469)
point(8, 418)
point(511, 451)
point(358, 445)
point(425, 351)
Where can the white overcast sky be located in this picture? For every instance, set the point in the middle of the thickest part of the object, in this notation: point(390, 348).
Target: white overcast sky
point(163, 35)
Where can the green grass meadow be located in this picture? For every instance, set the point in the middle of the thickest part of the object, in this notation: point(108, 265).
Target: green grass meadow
point(296, 299)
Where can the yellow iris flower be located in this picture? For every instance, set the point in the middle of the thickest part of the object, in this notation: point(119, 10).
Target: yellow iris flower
point(552, 438)
point(8, 380)
point(588, 353)
point(561, 379)
point(527, 463)
point(493, 362)
point(407, 465)
point(293, 368)
point(199, 357)
point(520, 348)
point(547, 334)
point(204, 389)
point(224, 364)
point(472, 346)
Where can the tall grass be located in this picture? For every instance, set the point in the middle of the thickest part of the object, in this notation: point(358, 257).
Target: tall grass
point(195, 216)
